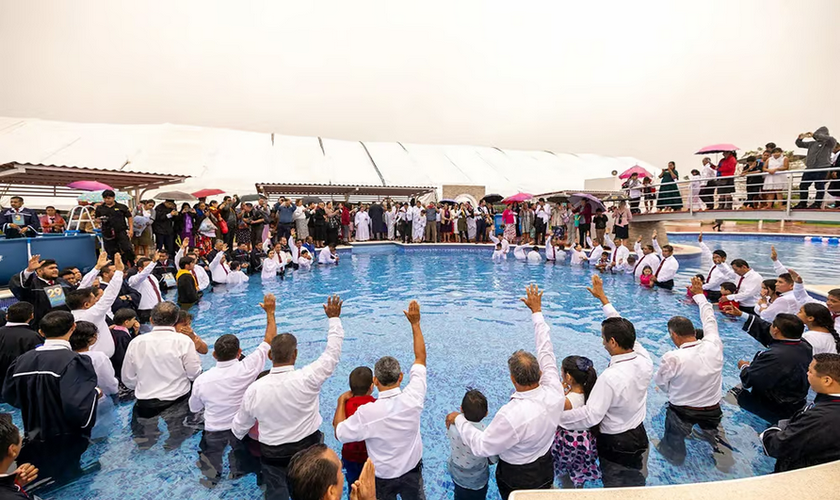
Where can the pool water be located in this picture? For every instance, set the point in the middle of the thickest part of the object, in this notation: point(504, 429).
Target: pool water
point(472, 320)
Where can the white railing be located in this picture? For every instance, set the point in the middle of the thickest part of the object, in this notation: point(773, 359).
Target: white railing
point(745, 192)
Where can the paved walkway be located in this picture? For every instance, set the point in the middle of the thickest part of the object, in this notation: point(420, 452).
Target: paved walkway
point(790, 227)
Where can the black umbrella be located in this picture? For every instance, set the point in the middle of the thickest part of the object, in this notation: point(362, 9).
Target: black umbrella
point(615, 198)
point(307, 200)
point(448, 200)
point(250, 198)
point(558, 198)
point(493, 198)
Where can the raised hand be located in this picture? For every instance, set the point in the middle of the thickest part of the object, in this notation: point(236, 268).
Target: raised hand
point(333, 306)
point(118, 263)
point(413, 313)
point(774, 256)
point(365, 487)
point(269, 303)
point(797, 278)
point(696, 286)
point(654, 235)
point(639, 239)
point(700, 238)
point(533, 298)
point(35, 263)
point(185, 244)
point(597, 288)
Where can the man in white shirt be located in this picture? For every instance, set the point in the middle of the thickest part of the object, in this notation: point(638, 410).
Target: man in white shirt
point(327, 255)
point(597, 251)
point(390, 426)
point(542, 215)
point(663, 275)
point(219, 392)
point(286, 402)
point(692, 378)
point(522, 431)
point(646, 256)
point(719, 273)
point(147, 285)
point(618, 254)
point(160, 367)
point(748, 286)
point(85, 307)
point(618, 401)
point(785, 301)
point(219, 268)
point(708, 174)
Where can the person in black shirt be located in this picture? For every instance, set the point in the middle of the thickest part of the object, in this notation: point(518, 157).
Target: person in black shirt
point(16, 336)
point(600, 221)
point(10, 443)
point(117, 226)
point(777, 378)
point(164, 226)
point(40, 285)
point(812, 436)
point(55, 388)
point(188, 293)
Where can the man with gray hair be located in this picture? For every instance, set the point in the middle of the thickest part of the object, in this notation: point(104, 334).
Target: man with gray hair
point(523, 430)
point(390, 426)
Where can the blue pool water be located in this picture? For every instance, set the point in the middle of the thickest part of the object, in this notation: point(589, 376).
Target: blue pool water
point(472, 320)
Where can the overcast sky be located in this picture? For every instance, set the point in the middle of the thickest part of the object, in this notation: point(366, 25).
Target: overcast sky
point(651, 79)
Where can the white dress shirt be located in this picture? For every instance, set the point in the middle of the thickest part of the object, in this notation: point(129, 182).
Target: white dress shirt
point(692, 375)
point(236, 277)
point(534, 256)
point(785, 303)
point(325, 256)
point(618, 259)
point(578, 257)
point(106, 380)
point(286, 401)
point(523, 429)
point(668, 267)
point(519, 252)
point(219, 271)
point(749, 289)
point(390, 427)
point(650, 259)
point(821, 342)
point(87, 279)
point(160, 364)
point(618, 400)
point(219, 390)
point(198, 271)
point(595, 254)
point(718, 273)
point(97, 313)
point(148, 287)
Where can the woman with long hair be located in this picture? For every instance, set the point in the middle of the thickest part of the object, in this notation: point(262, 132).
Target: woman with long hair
point(185, 226)
point(821, 333)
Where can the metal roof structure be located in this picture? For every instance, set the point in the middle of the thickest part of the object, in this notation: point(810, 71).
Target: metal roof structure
point(51, 180)
point(358, 192)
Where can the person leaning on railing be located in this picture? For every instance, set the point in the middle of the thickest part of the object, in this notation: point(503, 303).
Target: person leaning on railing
point(752, 171)
point(819, 157)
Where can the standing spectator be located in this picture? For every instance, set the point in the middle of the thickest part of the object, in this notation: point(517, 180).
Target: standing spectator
point(649, 195)
point(542, 216)
point(670, 199)
point(142, 237)
point(634, 191)
point(285, 219)
point(319, 219)
point(301, 219)
point(481, 222)
point(600, 221)
point(16, 336)
point(186, 224)
point(257, 217)
point(227, 213)
point(726, 185)
point(752, 171)
point(623, 216)
point(117, 225)
point(164, 227)
point(526, 219)
point(18, 221)
point(52, 222)
point(819, 157)
point(708, 172)
point(55, 388)
point(584, 222)
point(377, 222)
point(431, 224)
point(775, 184)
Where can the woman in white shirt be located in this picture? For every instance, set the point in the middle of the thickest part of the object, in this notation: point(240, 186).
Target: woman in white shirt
point(83, 337)
point(821, 334)
point(271, 266)
point(775, 184)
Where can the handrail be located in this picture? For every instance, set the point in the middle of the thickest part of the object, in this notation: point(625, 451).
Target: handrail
point(740, 197)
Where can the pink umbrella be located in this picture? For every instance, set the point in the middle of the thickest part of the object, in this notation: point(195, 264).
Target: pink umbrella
point(717, 148)
point(204, 193)
point(89, 185)
point(518, 198)
point(635, 170)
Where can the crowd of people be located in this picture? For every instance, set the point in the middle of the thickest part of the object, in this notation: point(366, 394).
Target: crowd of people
point(77, 342)
point(766, 183)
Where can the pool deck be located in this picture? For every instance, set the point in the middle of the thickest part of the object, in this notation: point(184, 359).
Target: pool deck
point(821, 482)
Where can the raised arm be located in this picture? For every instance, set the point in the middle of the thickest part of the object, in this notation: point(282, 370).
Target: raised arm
point(413, 316)
point(496, 438)
point(112, 291)
point(322, 368)
point(656, 247)
point(707, 313)
point(545, 350)
point(799, 293)
point(145, 273)
point(609, 242)
point(597, 291)
point(707, 253)
point(593, 411)
point(778, 267)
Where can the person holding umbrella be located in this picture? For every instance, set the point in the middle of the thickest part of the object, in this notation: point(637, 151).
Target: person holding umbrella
point(726, 187)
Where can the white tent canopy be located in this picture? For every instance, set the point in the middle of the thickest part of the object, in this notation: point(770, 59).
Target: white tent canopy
point(235, 160)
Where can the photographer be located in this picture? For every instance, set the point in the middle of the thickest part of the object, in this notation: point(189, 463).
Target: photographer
point(117, 226)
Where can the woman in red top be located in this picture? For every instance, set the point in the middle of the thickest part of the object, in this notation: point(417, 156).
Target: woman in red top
point(726, 187)
point(345, 223)
point(509, 220)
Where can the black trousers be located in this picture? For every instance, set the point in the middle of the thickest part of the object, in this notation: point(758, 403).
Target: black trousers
point(679, 421)
point(409, 486)
point(623, 457)
point(284, 229)
point(707, 194)
point(537, 475)
point(211, 449)
point(228, 237)
point(816, 177)
point(747, 309)
point(121, 244)
point(165, 242)
point(761, 406)
point(634, 205)
point(57, 458)
point(583, 230)
point(145, 417)
point(667, 285)
point(274, 462)
point(256, 234)
point(754, 185)
point(407, 231)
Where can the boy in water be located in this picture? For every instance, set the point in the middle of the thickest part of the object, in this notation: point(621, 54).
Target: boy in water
point(354, 455)
point(470, 473)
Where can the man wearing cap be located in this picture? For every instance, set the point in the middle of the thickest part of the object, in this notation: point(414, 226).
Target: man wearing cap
point(117, 226)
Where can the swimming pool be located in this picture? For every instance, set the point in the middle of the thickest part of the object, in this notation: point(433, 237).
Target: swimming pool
point(472, 320)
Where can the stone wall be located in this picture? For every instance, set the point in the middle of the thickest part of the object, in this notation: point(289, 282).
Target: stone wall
point(451, 191)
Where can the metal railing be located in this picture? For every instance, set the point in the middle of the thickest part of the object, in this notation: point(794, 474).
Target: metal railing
point(737, 192)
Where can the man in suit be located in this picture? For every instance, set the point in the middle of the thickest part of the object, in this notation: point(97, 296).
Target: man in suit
point(40, 285)
point(164, 226)
point(18, 221)
point(17, 337)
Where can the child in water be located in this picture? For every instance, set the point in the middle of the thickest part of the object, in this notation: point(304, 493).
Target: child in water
point(646, 279)
point(727, 288)
point(579, 256)
point(574, 452)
